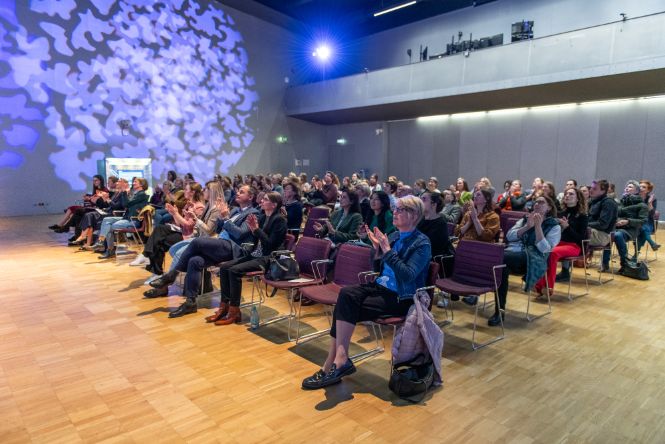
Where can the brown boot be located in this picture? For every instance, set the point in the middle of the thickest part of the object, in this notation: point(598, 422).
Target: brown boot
point(233, 316)
point(219, 314)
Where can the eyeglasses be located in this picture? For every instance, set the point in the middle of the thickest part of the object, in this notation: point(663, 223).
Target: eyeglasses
point(401, 210)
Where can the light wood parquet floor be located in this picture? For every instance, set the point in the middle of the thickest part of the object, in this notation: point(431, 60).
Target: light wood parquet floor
point(84, 358)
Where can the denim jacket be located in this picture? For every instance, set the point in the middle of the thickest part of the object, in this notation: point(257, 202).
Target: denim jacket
point(411, 265)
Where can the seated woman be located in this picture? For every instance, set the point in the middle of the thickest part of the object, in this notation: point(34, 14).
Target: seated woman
point(344, 222)
point(403, 262)
point(92, 220)
point(451, 210)
point(326, 192)
point(550, 191)
point(165, 236)
point(380, 216)
point(203, 226)
point(74, 214)
point(293, 206)
point(573, 223)
point(535, 235)
point(434, 225)
point(479, 223)
point(133, 205)
point(269, 231)
point(514, 200)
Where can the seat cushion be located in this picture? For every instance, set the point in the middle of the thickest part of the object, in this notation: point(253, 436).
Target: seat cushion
point(287, 285)
point(453, 287)
point(323, 294)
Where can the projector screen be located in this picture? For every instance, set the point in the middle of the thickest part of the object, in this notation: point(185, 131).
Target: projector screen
point(84, 80)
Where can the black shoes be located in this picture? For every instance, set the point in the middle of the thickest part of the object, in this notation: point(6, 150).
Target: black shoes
point(156, 292)
point(470, 300)
point(166, 279)
point(189, 306)
point(320, 379)
point(76, 243)
point(495, 320)
point(108, 254)
point(655, 247)
point(564, 276)
point(54, 227)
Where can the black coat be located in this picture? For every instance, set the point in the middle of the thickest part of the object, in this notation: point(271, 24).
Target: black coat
point(271, 233)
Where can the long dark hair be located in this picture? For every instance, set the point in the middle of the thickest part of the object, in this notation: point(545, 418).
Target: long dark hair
point(436, 198)
point(354, 200)
point(101, 186)
point(385, 207)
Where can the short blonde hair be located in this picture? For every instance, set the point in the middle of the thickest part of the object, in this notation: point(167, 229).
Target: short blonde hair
point(414, 205)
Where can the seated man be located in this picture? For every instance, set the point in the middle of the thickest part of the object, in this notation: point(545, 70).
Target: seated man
point(602, 217)
point(204, 252)
point(633, 212)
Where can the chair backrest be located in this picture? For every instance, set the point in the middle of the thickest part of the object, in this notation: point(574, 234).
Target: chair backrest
point(509, 218)
point(314, 214)
point(310, 249)
point(289, 242)
point(451, 229)
point(349, 262)
point(474, 261)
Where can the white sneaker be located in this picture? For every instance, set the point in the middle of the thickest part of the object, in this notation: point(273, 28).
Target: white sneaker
point(140, 260)
point(152, 278)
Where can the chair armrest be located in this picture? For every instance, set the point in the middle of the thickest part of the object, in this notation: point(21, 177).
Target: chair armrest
point(494, 269)
point(280, 252)
point(317, 271)
point(439, 258)
point(365, 276)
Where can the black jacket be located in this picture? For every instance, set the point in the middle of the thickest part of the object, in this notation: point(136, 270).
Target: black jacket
point(603, 213)
point(272, 233)
point(577, 226)
point(633, 209)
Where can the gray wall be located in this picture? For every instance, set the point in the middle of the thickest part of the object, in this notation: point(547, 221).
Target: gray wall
point(614, 140)
point(388, 48)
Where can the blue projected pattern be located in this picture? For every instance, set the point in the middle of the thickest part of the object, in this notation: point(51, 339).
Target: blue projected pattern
point(174, 70)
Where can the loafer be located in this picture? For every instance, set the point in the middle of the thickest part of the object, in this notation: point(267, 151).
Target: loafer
point(156, 293)
point(495, 320)
point(334, 376)
point(655, 247)
point(54, 227)
point(188, 307)
point(165, 280)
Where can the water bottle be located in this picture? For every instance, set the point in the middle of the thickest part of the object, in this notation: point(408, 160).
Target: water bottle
point(254, 318)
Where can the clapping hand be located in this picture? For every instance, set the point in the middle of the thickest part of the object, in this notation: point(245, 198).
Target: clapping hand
point(170, 208)
point(537, 219)
point(252, 222)
point(379, 240)
point(331, 229)
point(223, 208)
point(564, 222)
point(474, 212)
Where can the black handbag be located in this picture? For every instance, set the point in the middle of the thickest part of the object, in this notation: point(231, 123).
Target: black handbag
point(282, 267)
point(636, 270)
point(412, 378)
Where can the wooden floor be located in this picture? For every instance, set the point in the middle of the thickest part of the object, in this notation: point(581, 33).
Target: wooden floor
point(83, 357)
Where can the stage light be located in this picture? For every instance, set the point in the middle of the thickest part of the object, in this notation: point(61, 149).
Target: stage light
point(322, 52)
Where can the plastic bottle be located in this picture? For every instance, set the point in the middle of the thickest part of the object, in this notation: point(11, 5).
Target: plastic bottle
point(254, 318)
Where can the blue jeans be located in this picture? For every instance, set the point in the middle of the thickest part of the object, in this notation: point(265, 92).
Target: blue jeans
point(621, 237)
point(162, 217)
point(106, 225)
point(118, 225)
point(176, 251)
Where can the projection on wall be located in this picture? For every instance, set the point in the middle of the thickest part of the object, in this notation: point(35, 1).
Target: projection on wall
point(174, 72)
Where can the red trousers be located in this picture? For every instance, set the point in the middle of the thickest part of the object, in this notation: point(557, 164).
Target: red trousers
point(563, 249)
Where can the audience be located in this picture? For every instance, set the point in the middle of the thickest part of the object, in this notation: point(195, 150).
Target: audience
point(451, 211)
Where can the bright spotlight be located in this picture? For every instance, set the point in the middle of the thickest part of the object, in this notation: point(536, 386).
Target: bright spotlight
point(322, 52)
